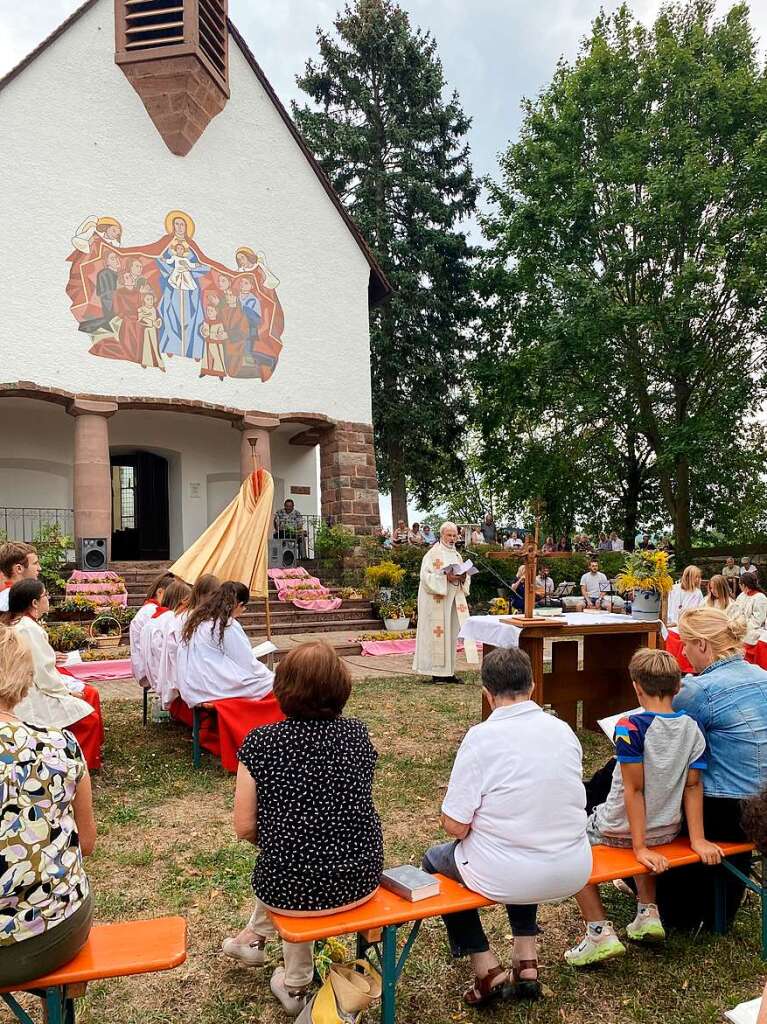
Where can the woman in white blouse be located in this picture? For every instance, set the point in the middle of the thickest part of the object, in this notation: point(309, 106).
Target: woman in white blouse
point(685, 594)
point(751, 608)
point(215, 659)
point(720, 596)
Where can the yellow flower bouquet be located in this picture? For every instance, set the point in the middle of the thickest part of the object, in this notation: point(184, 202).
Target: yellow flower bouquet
point(645, 570)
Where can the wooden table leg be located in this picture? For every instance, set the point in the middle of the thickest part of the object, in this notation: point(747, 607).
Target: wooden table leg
point(533, 647)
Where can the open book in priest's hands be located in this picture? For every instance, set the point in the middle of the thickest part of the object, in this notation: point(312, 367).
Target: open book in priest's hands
point(460, 568)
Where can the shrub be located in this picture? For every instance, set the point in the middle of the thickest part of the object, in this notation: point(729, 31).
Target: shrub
point(52, 546)
point(67, 637)
point(333, 542)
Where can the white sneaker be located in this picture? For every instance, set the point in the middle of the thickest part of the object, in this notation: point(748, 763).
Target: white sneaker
point(252, 954)
point(293, 1000)
point(647, 925)
point(599, 943)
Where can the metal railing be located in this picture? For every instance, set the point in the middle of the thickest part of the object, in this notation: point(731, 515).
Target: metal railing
point(24, 524)
point(303, 535)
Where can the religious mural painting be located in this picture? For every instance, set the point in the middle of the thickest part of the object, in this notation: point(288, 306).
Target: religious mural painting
point(152, 303)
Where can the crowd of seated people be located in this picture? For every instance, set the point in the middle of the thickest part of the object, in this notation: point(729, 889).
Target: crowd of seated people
point(519, 823)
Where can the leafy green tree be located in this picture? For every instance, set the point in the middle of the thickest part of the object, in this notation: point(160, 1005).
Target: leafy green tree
point(628, 250)
point(395, 150)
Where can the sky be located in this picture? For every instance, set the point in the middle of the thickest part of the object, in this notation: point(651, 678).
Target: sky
point(494, 52)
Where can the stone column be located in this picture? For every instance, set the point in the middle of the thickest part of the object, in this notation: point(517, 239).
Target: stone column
point(92, 470)
point(257, 427)
point(348, 480)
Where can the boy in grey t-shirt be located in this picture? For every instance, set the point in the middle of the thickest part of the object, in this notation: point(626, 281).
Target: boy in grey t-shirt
point(660, 754)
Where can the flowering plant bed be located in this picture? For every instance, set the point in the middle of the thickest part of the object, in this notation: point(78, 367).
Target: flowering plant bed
point(387, 634)
point(99, 587)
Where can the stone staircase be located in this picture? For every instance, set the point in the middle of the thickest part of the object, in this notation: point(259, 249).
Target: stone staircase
point(352, 616)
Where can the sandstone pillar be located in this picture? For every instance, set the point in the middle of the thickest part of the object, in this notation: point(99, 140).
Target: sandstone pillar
point(255, 428)
point(348, 480)
point(92, 470)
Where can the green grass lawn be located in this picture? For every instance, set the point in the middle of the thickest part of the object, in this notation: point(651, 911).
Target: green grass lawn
point(166, 846)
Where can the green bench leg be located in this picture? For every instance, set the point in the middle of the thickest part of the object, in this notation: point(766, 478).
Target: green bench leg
point(389, 975)
point(58, 1008)
point(196, 718)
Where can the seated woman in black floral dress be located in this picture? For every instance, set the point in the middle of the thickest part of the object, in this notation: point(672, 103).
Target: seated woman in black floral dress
point(304, 797)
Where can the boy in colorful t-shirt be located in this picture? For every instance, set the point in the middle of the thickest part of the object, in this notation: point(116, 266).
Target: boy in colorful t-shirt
point(660, 754)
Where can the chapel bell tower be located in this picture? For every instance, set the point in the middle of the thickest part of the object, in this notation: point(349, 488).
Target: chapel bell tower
point(175, 55)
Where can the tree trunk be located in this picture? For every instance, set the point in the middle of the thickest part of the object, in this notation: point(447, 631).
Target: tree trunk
point(631, 494)
point(682, 539)
point(398, 486)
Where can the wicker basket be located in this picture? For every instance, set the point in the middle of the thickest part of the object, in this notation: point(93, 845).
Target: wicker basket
point(106, 642)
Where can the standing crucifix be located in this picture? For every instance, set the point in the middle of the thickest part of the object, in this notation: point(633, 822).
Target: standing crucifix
point(530, 552)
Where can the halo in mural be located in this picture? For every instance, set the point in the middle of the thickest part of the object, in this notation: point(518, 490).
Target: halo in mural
point(148, 304)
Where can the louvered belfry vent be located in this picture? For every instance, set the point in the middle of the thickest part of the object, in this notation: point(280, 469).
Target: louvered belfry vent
point(175, 55)
point(212, 28)
point(153, 23)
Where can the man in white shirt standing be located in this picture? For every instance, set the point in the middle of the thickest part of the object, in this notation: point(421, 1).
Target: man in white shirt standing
point(595, 587)
point(517, 817)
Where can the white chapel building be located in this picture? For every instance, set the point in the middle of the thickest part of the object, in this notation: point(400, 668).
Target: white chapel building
point(180, 279)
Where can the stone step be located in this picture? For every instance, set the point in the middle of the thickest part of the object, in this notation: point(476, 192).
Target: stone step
point(317, 626)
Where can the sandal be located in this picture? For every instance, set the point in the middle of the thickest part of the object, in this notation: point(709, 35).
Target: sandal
point(524, 988)
point(483, 992)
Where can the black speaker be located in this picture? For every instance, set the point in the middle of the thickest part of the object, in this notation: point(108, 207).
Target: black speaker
point(92, 554)
point(283, 553)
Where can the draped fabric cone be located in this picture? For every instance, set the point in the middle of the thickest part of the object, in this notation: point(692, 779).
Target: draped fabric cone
point(236, 545)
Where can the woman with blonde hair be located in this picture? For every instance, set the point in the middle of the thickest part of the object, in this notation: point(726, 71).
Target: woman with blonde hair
point(727, 697)
point(685, 594)
point(719, 595)
point(46, 817)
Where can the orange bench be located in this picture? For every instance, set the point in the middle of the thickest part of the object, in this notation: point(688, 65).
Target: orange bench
point(376, 922)
point(112, 951)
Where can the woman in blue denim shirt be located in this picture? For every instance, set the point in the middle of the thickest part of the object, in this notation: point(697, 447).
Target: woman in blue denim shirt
point(728, 699)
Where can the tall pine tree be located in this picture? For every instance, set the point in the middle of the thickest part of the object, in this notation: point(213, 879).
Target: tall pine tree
point(394, 148)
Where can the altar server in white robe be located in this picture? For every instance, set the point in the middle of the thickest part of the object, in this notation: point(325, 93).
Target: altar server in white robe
point(153, 601)
point(166, 685)
point(442, 610)
point(215, 659)
point(155, 632)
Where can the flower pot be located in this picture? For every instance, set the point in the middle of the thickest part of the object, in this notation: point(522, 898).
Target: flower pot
point(385, 593)
point(397, 625)
point(646, 605)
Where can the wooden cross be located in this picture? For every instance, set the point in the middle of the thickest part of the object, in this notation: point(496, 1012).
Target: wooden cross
point(530, 552)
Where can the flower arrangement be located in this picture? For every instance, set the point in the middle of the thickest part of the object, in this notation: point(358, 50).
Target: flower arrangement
point(350, 594)
point(385, 574)
point(645, 570)
point(388, 634)
point(498, 606)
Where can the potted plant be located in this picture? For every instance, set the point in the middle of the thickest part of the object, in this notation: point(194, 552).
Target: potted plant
point(646, 575)
point(394, 616)
point(383, 578)
point(66, 637)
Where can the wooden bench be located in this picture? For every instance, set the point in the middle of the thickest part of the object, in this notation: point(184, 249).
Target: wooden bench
point(112, 951)
point(376, 922)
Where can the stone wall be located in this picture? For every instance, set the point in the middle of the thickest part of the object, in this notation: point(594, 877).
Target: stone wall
point(349, 483)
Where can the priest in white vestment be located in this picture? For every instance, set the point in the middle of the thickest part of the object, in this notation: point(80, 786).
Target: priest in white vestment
point(442, 610)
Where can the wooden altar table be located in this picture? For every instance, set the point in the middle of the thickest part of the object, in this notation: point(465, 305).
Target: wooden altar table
point(603, 684)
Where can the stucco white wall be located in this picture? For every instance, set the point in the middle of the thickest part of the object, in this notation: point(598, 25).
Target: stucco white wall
point(36, 449)
point(79, 142)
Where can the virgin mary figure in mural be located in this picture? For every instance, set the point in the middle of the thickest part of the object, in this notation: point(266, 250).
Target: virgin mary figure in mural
point(181, 306)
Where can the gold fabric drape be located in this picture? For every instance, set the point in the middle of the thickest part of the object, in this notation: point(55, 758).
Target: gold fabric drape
point(236, 545)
